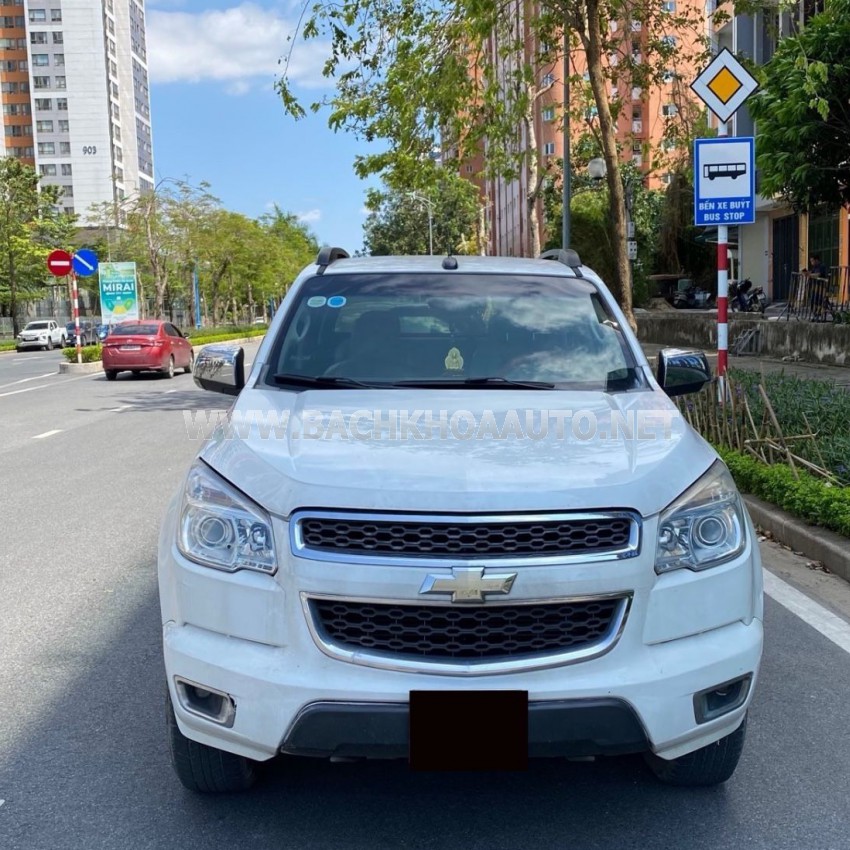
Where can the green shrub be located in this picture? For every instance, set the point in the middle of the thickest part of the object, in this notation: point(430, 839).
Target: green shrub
point(90, 354)
point(7, 346)
point(205, 340)
point(225, 330)
point(809, 498)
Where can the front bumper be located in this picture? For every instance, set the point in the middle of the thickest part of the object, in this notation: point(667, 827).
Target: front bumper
point(31, 343)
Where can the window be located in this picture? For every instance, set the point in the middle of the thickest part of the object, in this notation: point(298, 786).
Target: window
point(636, 26)
point(669, 76)
point(119, 174)
point(23, 65)
point(637, 113)
point(636, 93)
point(66, 169)
point(116, 132)
point(47, 170)
point(9, 88)
point(38, 38)
point(63, 126)
point(549, 113)
point(114, 89)
point(549, 148)
point(65, 148)
point(119, 157)
point(68, 210)
point(39, 60)
point(668, 145)
point(637, 147)
point(548, 80)
point(68, 191)
point(44, 103)
point(58, 38)
point(668, 6)
point(615, 93)
point(18, 129)
point(16, 109)
point(669, 40)
point(59, 59)
point(667, 178)
point(614, 26)
point(113, 68)
point(60, 83)
point(37, 16)
point(46, 148)
point(110, 46)
point(41, 82)
point(62, 104)
point(116, 111)
point(24, 153)
point(56, 15)
point(44, 126)
point(669, 110)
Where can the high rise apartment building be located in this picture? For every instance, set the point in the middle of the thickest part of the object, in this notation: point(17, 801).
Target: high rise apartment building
point(76, 104)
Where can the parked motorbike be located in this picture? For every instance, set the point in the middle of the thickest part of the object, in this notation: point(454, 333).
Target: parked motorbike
point(691, 298)
point(744, 298)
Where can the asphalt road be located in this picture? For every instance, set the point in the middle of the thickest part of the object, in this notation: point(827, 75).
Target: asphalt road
point(83, 752)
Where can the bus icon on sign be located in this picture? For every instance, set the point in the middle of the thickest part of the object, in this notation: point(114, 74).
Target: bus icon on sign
point(724, 169)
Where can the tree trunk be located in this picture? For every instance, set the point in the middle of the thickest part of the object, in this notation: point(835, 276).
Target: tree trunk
point(13, 295)
point(591, 41)
point(533, 184)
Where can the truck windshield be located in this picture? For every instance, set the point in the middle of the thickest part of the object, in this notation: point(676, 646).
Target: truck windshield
point(451, 330)
point(36, 326)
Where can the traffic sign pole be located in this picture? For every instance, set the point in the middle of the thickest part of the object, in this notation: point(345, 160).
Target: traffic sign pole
point(722, 295)
point(76, 316)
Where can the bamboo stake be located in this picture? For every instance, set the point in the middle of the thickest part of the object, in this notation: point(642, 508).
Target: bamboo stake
point(814, 442)
point(781, 436)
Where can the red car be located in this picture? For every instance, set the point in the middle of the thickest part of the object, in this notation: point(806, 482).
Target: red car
point(146, 345)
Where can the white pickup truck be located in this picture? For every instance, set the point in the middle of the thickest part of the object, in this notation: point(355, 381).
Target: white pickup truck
point(43, 333)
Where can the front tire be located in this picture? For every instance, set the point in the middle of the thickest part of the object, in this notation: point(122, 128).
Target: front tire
point(711, 765)
point(49, 346)
point(204, 769)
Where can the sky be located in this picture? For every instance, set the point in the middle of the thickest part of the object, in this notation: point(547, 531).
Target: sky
point(216, 116)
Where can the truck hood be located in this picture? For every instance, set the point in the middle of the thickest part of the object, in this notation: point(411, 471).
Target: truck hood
point(489, 462)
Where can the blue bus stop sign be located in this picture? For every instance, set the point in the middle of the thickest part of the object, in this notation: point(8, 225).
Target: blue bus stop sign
point(85, 262)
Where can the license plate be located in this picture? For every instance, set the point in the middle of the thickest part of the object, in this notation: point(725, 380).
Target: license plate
point(468, 730)
point(131, 347)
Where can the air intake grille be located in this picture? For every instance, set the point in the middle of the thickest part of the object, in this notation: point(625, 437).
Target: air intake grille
point(426, 539)
point(431, 632)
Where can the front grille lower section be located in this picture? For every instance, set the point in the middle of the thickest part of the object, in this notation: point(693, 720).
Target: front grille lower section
point(481, 633)
point(342, 536)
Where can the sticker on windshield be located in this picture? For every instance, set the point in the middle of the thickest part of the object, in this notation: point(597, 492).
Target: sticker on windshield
point(317, 301)
point(453, 361)
point(336, 301)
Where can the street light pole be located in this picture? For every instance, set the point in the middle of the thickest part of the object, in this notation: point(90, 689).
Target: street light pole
point(197, 294)
point(567, 178)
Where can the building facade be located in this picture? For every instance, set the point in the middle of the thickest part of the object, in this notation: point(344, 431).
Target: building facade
point(75, 97)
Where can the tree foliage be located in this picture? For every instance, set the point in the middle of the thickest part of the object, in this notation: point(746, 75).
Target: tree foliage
point(30, 228)
point(398, 222)
point(803, 113)
point(463, 75)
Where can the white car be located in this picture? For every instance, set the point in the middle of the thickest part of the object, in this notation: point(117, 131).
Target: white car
point(43, 333)
point(453, 517)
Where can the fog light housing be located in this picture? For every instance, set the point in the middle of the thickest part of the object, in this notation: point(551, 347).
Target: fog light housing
point(721, 699)
point(204, 701)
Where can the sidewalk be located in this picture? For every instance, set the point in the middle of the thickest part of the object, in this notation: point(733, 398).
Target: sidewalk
point(768, 365)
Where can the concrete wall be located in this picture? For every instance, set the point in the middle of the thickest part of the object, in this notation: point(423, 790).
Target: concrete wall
point(817, 343)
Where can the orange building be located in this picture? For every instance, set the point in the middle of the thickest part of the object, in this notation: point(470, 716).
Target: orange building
point(14, 82)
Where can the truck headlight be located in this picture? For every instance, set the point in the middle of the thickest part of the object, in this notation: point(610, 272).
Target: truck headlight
point(704, 527)
point(221, 528)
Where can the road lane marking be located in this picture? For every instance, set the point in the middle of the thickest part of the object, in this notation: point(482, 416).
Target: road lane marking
point(24, 380)
point(119, 409)
point(25, 390)
point(58, 383)
point(809, 611)
point(47, 434)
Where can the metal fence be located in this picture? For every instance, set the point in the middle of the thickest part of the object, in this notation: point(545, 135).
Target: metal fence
point(820, 299)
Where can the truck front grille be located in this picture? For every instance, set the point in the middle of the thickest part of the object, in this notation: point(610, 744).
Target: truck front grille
point(344, 536)
point(468, 633)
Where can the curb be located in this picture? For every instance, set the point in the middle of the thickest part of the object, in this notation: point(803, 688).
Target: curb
point(80, 368)
point(240, 341)
point(819, 544)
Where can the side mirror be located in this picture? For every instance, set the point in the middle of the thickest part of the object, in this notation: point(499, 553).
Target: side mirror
point(680, 372)
point(220, 369)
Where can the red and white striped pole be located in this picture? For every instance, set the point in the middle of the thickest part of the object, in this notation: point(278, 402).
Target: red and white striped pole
point(722, 296)
point(76, 316)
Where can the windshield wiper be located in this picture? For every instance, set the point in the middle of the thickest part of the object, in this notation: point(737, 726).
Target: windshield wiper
point(496, 382)
point(321, 382)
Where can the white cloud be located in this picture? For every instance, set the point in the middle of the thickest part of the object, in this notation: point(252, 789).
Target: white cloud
point(310, 216)
point(233, 45)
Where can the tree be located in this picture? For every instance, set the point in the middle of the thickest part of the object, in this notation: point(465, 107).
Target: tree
point(803, 116)
point(465, 73)
point(30, 228)
point(398, 222)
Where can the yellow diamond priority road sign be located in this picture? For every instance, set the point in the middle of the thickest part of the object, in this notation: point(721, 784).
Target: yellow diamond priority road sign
point(724, 85)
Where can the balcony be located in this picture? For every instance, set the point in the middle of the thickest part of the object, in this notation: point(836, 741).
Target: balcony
point(637, 127)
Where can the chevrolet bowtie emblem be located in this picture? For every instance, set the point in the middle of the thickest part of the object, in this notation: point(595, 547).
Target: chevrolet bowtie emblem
point(468, 584)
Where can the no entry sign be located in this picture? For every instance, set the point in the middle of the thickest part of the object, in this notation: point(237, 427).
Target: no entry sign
point(59, 263)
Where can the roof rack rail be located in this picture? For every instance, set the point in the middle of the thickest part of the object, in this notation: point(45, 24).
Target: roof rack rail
point(327, 255)
point(567, 256)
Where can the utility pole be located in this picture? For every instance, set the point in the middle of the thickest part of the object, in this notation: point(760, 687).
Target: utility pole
point(567, 178)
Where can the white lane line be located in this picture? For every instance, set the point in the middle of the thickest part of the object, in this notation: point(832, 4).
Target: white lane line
point(809, 611)
point(48, 434)
point(119, 409)
point(170, 391)
point(25, 380)
point(25, 390)
point(58, 383)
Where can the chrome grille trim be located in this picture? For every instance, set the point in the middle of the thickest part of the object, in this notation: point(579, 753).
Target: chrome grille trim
point(301, 549)
point(391, 661)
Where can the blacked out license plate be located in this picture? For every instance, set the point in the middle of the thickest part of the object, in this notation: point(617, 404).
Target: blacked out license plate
point(468, 730)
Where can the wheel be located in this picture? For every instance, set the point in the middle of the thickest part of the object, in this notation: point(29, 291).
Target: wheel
point(136, 373)
point(111, 374)
point(49, 346)
point(205, 769)
point(711, 765)
point(188, 368)
point(168, 371)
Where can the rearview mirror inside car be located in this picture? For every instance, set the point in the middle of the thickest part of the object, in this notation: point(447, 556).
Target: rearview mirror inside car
point(681, 371)
point(221, 369)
